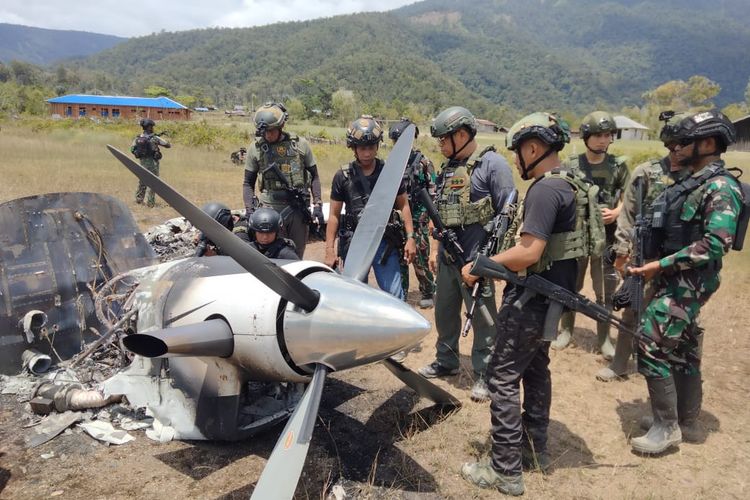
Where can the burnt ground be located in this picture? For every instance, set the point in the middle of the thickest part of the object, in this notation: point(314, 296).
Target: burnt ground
point(377, 440)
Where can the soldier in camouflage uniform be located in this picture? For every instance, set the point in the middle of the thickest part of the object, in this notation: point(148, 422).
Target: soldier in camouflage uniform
point(611, 174)
point(419, 174)
point(698, 226)
point(472, 189)
point(655, 175)
point(145, 147)
point(288, 173)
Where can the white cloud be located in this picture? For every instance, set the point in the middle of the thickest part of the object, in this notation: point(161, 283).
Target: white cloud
point(141, 17)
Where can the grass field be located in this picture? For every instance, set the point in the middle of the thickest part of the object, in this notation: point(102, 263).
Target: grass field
point(372, 433)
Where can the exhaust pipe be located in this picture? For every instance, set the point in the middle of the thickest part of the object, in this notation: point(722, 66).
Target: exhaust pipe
point(209, 338)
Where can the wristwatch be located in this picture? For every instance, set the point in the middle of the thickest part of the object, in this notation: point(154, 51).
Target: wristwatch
point(409, 235)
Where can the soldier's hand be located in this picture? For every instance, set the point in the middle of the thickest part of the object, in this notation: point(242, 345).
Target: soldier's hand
point(648, 271)
point(466, 275)
point(620, 262)
point(410, 250)
point(432, 262)
point(330, 259)
point(608, 216)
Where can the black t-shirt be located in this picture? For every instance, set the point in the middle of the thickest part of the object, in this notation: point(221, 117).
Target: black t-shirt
point(339, 190)
point(550, 207)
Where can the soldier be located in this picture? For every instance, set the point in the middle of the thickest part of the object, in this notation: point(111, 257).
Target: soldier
point(471, 190)
point(655, 175)
point(266, 225)
point(145, 147)
point(419, 174)
point(611, 174)
point(556, 218)
point(697, 226)
point(288, 173)
point(351, 189)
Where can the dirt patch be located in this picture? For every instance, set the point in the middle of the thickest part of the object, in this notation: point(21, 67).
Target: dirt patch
point(378, 440)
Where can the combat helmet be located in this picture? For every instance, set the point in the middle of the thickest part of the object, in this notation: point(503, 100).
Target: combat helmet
point(220, 213)
point(364, 131)
point(452, 119)
point(546, 127)
point(706, 124)
point(596, 123)
point(671, 120)
point(398, 128)
point(265, 220)
point(270, 115)
point(146, 123)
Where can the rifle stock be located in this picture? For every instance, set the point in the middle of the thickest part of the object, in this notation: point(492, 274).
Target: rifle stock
point(535, 285)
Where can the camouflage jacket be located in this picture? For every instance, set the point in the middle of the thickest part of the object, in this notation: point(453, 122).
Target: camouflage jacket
point(716, 204)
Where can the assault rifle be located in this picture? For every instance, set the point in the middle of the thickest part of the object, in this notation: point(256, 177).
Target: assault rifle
point(298, 198)
point(454, 254)
point(411, 173)
point(496, 229)
point(560, 298)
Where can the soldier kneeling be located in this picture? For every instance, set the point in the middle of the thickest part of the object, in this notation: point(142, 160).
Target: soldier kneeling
point(266, 223)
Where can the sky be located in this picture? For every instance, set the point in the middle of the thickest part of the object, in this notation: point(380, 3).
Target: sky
point(140, 17)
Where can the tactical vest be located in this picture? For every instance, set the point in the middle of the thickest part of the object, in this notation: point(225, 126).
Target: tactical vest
point(580, 165)
point(454, 203)
point(357, 187)
point(289, 159)
point(681, 223)
point(588, 237)
point(273, 250)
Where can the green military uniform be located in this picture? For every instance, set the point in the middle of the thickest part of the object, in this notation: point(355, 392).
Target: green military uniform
point(612, 177)
point(423, 178)
point(295, 161)
point(150, 163)
point(656, 176)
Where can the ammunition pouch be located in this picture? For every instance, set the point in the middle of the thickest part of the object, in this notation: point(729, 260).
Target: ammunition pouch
point(453, 213)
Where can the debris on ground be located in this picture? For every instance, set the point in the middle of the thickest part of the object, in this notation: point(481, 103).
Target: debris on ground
point(105, 432)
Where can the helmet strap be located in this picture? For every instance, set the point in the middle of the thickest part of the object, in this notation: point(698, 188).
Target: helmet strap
point(453, 144)
point(595, 151)
point(526, 170)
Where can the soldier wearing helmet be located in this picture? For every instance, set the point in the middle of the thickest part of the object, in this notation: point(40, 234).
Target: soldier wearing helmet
point(697, 221)
point(611, 174)
point(145, 148)
point(550, 239)
point(650, 179)
point(288, 174)
point(419, 174)
point(472, 186)
point(221, 214)
point(351, 188)
point(266, 223)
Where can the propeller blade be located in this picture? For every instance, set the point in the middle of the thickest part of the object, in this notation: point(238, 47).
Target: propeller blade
point(421, 385)
point(275, 278)
point(281, 474)
point(375, 216)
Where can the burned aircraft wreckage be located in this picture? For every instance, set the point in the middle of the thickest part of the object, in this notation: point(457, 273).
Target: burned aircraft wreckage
point(216, 347)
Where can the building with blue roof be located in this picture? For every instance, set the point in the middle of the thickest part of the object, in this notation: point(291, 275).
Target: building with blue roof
point(124, 107)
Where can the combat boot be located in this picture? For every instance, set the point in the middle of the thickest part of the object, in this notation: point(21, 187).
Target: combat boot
point(664, 433)
point(479, 391)
point(567, 322)
point(605, 344)
point(538, 460)
point(689, 400)
point(483, 475)
point(618, 368)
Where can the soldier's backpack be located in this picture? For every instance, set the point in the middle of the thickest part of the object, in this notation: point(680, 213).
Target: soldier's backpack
point(144, 147)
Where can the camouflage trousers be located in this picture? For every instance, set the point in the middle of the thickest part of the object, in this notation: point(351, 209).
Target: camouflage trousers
point(671, 339)
point(421, 266)
point(152, 166)
point(520, 357)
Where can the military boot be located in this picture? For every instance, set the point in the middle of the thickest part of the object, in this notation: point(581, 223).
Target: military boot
point(603, 341)
point(567, 322)
point(689, 400)
point(664, 432)
point(618, 368)
point(483, 475)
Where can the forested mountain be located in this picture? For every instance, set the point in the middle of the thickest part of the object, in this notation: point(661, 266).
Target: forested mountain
point(43, 46)
point(487, 54)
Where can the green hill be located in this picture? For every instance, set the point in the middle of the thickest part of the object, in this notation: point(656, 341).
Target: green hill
point(523, 55)
point(43, 46)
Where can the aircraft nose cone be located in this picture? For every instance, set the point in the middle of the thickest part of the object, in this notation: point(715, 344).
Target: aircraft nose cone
point(353, 324)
